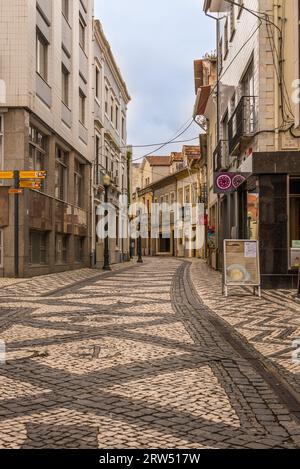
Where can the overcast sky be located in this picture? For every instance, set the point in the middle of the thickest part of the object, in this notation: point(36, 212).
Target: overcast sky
point(155, 43)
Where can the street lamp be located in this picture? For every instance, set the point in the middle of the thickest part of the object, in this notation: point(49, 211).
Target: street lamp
point(106, 184)
point(140, 259)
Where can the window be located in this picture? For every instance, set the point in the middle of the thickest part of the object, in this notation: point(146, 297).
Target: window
point(82, 99)
point(78, 183)
point(1, 140)
point(187, 192)
point(1, 247)
point(61, 174)
point(61, 249)
point(117, 117)
point(37, 151)
point(98, 83)
point(106, 99)
point(97, 162)
point(112, 109)
point(241, 6)
point(38, 248)
point(194, 193)
point(41, 56)
point(123, 128)
point(220, 55)
point(79, 248)
point(82, 27)
point(65, 9)
point(226, 38)
point(65, 85)
point(232, 21)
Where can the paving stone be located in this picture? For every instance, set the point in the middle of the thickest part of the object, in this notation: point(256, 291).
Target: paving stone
point(164, 376)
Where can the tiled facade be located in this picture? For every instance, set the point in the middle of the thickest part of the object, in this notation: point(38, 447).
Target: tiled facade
point(48, 116)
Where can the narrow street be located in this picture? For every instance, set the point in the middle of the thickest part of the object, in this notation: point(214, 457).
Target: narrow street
point(135, 359)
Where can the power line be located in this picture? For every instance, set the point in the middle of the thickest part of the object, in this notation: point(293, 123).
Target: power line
point(170, 141)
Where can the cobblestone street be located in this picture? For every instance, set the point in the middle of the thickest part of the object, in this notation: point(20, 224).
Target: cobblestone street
point(140, 358)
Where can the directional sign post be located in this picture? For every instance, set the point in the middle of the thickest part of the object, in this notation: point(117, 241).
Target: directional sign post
point(22, 180)
point(17, 187)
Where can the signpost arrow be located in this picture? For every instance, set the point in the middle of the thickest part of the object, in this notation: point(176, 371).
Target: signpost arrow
point(33, 174)
point(30, 184)
point(6, 174)
point(15, 191)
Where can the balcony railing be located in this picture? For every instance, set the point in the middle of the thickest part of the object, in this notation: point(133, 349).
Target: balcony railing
point(243, 122)
point(221, 156)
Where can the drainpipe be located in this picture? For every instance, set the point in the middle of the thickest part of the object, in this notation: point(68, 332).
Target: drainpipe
point(276, 95)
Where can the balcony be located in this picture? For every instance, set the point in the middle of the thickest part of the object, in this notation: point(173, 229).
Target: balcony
point(242, 124)
point(221, 156)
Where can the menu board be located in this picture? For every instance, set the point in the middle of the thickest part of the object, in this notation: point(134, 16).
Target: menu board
point(241, 263)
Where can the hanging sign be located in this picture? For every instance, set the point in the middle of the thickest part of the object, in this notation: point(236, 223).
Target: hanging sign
point(241, 265)
point(225, 183)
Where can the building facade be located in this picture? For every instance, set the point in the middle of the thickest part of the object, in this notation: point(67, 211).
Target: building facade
point(167, 181)
point(46, 67)
point(257, 133)
point(111, 99)
point(62, 110)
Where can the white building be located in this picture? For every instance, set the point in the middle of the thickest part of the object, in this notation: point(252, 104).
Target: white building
point(110, 122)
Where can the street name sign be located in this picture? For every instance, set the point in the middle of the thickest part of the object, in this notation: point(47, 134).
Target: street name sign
point(15, 191)
point(6, 174)
point(33, 174)
point(30, 184)
point(241, 265)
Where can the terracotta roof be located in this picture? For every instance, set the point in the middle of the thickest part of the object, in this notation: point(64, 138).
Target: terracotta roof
point(191, 152)
point(159, 160)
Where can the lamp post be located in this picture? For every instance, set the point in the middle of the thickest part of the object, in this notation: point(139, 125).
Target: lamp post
point(140, 259)
point(106, 183)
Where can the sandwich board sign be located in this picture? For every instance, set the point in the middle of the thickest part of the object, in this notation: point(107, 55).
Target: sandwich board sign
point(241, 265)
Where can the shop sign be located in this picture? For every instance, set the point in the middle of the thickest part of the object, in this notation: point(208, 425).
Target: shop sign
point(241, 265)
point(225, 183)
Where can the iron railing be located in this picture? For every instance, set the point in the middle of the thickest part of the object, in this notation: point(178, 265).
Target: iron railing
point(243, 122)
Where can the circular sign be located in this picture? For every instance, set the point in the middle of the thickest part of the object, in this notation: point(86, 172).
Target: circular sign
point(238, 180)
point(224, 182)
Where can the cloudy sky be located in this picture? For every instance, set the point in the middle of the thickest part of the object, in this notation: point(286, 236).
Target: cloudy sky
point(155, 43)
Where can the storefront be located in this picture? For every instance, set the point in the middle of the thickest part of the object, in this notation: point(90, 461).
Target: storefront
point(274, 214)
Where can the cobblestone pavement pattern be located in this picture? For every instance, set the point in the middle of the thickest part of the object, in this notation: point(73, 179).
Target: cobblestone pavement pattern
point(271, 324)
point(125, 361)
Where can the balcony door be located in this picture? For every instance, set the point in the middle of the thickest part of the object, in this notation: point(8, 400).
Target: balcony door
point(249, 100)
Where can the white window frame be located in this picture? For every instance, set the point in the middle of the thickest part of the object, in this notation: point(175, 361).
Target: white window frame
point(82, 29)
point(65, 85)
point(98, 83)
point(41, 65)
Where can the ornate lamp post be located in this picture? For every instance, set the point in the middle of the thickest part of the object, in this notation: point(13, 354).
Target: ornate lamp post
point(106, 183)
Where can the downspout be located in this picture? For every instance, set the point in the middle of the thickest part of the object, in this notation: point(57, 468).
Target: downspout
point(276, 97)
